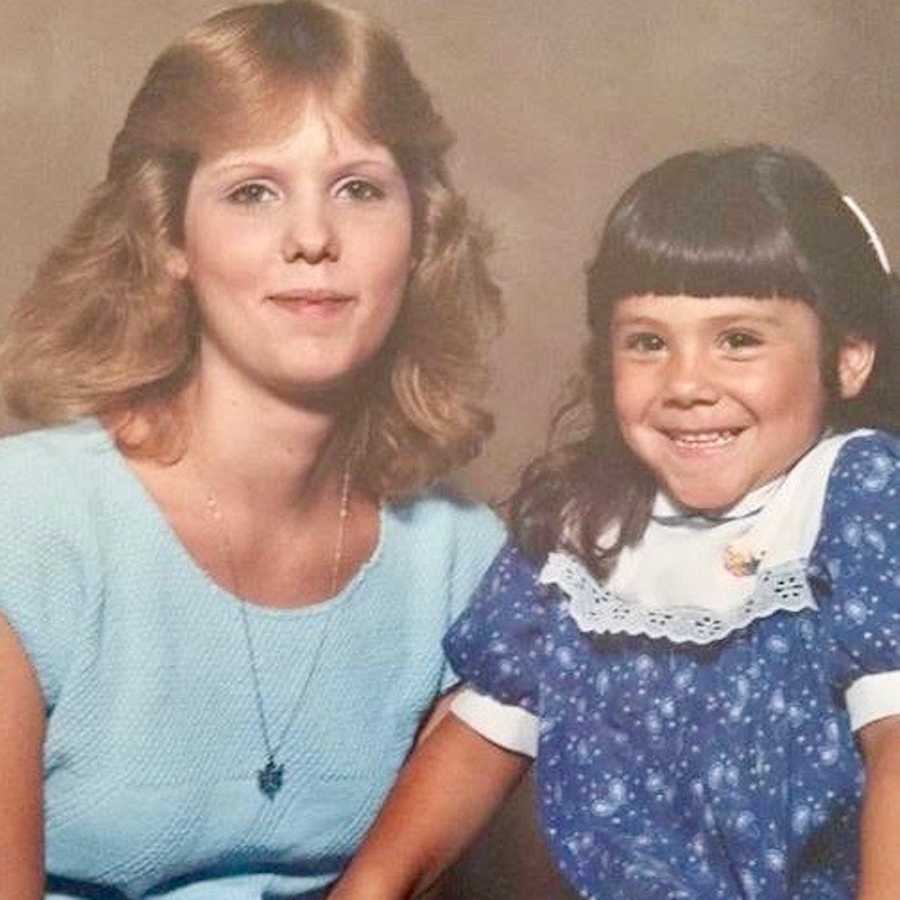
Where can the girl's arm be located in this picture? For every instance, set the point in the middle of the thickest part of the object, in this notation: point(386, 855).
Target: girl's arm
point(447, 792)
point(437, 714)
point(880, 826)
point(22, 724)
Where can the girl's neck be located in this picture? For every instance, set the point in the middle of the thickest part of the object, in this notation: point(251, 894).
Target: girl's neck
point(666, 507)
point(752, 502)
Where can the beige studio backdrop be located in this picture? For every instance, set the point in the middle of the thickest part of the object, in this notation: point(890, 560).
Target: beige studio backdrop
point(557, 104)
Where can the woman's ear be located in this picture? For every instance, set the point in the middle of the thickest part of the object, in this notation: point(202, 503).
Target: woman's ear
point(856, 356)
point(176, 264)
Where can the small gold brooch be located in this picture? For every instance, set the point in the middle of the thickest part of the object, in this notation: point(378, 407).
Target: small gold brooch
point(740, 562)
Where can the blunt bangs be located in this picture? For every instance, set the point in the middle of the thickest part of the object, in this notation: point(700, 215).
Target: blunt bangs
point(703, 256)
point(702, 225)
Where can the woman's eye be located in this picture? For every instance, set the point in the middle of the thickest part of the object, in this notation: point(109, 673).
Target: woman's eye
point(359, 189)
point(251, 193)
point(740, 340)
point(644, 342)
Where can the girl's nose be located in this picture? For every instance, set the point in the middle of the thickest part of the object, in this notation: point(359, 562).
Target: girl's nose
point(310, 236)
point(690, 379)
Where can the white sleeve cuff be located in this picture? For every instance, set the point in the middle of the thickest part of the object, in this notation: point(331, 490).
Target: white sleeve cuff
point(873, 697)
point(510, 727)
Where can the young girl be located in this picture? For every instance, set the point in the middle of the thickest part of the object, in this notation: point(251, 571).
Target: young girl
point(698, 632)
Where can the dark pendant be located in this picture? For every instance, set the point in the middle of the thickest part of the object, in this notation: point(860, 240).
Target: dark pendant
point(270, 778)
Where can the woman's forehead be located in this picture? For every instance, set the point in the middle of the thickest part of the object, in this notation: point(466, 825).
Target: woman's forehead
point(316, 132)
point(276, 117)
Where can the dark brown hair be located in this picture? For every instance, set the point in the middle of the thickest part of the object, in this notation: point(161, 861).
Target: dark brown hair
point(751, 221)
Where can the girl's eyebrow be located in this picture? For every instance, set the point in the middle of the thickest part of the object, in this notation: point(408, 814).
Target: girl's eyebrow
point(739, 318)
point(718, 321)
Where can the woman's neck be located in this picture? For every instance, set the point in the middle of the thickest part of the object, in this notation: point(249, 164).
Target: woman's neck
point(259, 451)
point(261, 497)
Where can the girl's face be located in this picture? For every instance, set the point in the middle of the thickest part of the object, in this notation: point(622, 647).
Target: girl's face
point(718, 396)
point(298, 253)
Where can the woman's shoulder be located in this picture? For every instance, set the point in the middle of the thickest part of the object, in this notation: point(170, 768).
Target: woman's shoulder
point(444, 509)
point(449, 539)
point(47, 475)
point(49, 560)
point(54, 453)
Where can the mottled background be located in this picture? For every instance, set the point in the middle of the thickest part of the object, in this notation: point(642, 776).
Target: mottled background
point(557, 106)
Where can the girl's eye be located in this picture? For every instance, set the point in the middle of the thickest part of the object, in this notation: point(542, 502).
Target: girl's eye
point(740, 340)
point(251, 193)
point(644, 342)
point(360, 189)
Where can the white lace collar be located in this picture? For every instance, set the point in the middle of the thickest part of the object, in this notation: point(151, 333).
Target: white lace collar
point(675, 583)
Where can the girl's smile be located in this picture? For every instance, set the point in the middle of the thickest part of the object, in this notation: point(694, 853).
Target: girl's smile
point(703, 440)
point(717, 396)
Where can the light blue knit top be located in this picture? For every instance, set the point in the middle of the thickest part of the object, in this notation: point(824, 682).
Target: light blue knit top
point(154, 738)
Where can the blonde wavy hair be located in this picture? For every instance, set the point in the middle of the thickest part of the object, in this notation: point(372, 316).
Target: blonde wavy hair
point(107, 330)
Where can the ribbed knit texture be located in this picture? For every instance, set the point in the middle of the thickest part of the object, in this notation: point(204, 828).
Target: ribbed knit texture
point(153, 737)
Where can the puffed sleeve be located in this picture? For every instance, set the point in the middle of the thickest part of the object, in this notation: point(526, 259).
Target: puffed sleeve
point(857, 560)
point(496, 647)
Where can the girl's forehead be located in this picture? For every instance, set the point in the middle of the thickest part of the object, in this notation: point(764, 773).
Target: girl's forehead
point(687, 309)
point(684, 300)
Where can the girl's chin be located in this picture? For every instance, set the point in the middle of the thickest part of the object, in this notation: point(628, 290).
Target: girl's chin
point(701, 499)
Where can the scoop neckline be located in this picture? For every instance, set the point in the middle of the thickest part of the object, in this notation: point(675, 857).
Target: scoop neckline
point(251, 607)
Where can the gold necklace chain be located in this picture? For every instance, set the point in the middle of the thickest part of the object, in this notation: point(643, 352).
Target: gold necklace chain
point(270, 777)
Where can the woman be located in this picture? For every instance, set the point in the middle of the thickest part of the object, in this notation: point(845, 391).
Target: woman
point(223, 586)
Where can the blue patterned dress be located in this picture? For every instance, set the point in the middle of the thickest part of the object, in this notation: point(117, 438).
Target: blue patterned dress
point(673, 768)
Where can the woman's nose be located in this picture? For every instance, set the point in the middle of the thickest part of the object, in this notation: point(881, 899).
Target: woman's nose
point(690, 379)
point(310, 234)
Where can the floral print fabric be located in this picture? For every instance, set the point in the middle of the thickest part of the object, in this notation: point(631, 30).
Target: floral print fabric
point(671, 770)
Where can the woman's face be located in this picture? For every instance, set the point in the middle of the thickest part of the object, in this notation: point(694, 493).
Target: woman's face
point(298, 253)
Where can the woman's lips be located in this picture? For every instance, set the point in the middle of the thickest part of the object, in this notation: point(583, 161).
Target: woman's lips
point(315, 302)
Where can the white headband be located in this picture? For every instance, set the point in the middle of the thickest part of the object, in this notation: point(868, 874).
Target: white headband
point(874, 240)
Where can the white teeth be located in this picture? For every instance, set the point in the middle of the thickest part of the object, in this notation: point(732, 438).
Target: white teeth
point(703, 438)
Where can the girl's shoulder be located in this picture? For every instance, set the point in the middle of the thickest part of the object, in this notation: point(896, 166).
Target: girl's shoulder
point(867, 464)
point(511, 585)
point(859, 536)
point(865, 439)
